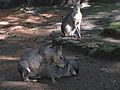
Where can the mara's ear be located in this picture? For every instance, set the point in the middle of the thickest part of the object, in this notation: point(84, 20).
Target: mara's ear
point(58, 49)
point(73, 2)
point(76, 3)
point(79, 1)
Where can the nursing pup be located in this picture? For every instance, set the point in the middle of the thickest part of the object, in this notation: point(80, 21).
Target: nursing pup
point(71, 68)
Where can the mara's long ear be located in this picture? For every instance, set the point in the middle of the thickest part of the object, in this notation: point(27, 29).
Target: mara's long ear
point(78, 2)
point(58, 50)
point(73, 2)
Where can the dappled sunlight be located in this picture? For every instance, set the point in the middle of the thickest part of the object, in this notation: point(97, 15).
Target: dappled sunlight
point(48, 15)
point(16, 27)
point(22, 29)
point(34, 19)
point(91, 21)
point(20, 15)
point(11, 84)
point(102, 14)
point(110, 70)
point(26, 85)
point(87, 25)
point(10, 18)
point(114, 68)
point(117, 18)
point(16, 18)
point(22, 23)
point(30, 31)
point(111, 40)
point(3, 37)
point(4, 23)
point(98, 15)
point(9, 58)
point(29, 24)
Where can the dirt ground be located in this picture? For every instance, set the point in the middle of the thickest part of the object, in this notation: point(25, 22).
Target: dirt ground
point(21, 31)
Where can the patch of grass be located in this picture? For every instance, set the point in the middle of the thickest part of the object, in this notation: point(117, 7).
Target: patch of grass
point(114, 26)
point(15, 9)
point(106, 49)
point(103, 50)
point(108, 52)
point(112, 30)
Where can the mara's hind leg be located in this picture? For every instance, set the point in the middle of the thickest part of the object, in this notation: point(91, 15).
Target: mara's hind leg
point(68, 70)
point(25, 75)
point(69, 31)
point(78, 31)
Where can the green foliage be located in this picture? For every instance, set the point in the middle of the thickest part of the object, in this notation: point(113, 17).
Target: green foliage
point(114, 26)
point(112, 30)
point(109, 52)
point(15, 9)
point(107, 49)
point(104, 50)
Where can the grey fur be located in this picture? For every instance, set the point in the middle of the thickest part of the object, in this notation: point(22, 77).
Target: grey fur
point(37, 59)
point(71, 68)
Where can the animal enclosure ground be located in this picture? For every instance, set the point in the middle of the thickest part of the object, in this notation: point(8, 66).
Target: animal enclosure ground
point(21, 31)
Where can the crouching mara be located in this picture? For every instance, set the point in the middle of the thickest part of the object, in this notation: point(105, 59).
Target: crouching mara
point(37, 59)
point(71, 68)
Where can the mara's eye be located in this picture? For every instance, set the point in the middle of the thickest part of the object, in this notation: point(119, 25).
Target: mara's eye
point(61, 57)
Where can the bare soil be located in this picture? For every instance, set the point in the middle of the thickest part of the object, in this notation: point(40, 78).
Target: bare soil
point(20, 31)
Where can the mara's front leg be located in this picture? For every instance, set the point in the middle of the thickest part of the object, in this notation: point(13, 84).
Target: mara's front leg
point(77, 27)
point(51, 74)
point(26, 76)
point(78, 30)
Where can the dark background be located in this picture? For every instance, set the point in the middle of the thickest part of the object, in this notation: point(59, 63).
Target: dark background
point(5, 4)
